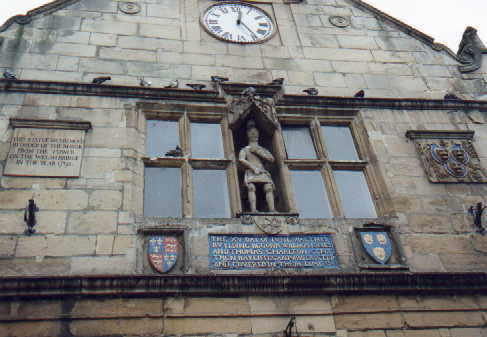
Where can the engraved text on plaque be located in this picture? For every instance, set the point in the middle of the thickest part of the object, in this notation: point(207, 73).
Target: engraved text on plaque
point(45, 153)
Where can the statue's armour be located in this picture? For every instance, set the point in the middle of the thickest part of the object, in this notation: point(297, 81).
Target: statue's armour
point(253, 157)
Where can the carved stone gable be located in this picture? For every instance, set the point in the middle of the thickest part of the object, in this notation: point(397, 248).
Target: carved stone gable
point(250, 105)
point(448, 156)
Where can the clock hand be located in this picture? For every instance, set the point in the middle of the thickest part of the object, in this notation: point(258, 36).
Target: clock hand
point(239, 19)
point(250, 30)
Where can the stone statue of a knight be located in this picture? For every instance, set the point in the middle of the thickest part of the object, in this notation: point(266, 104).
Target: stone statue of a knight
point(252, 158)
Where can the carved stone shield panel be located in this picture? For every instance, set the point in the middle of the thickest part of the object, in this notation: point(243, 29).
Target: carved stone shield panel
point(448, 157)
point(378, 245)
point(163, 252)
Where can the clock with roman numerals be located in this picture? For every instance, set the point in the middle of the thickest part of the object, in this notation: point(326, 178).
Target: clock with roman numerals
point(238, 22)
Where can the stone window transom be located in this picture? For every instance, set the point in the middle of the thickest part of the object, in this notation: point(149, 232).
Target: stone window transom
point(192, 167)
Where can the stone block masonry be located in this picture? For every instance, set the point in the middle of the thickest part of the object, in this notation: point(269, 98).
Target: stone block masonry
point(103, 43)
point(91, 233)
point(204, 316)
point(75, 214)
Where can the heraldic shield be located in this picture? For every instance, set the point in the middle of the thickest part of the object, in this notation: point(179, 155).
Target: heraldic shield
point(378, 245)
point(163, 252)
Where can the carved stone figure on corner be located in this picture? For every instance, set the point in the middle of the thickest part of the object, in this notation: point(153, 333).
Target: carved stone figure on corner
point(470, 51)
point(252, 158)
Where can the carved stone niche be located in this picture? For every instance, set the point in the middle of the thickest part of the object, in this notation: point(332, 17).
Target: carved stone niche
point(376, 246)
point(245, 110)
point(448, 156)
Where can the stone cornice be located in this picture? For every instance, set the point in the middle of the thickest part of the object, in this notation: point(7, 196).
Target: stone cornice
point(88, 89)
point(381, 103)
point(266, 90)
point(241, 285)
point(49, 124)
point(151, 93)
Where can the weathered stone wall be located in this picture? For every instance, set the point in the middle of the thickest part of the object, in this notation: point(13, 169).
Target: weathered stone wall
point(88, 225)
point(165, 42)
point(436, 230)
point(85, 217)
point(341, 316)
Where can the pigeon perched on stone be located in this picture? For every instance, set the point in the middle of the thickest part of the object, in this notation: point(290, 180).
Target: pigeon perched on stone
point(450, 96)
point(8, 75)
point(144, 83)
point(250, 91)
point(277, 81)
point(218, 79)
point(177, 152)
point(360, 94)
point(101, 80)
point(196, 86)
point(311, 91)
point(173, 84)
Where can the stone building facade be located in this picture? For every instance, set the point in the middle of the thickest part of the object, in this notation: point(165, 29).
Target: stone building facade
point(126, 208)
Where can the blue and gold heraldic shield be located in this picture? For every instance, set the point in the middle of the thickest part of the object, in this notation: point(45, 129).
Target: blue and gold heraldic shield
point(163, 252)
point(378, 245)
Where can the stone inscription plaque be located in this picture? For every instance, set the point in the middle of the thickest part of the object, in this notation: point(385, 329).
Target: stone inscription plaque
point(251, 251)
point(45, 153)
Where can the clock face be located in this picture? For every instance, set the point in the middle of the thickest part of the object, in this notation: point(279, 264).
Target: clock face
point(238, 22)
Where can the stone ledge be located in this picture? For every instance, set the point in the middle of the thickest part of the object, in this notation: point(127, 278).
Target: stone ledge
point(266, 90)
point(88, 89)
point(380, 103)
point(440, 134)
point(49, 124)
point(238, 285)
point(161, 230)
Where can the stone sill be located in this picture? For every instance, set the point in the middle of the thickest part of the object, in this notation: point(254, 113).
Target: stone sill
point(241, 285)
point(384, 266)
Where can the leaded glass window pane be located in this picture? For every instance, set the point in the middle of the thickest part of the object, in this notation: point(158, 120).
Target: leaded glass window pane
point(339, 143)
point(210, 194)
point(299, 144)
point(162, 136)
point(354, 194)
point(162, 192)
point(206, 140)
point(311, 195)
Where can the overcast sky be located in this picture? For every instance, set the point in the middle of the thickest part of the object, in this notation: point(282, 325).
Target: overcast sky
point(445, 20)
